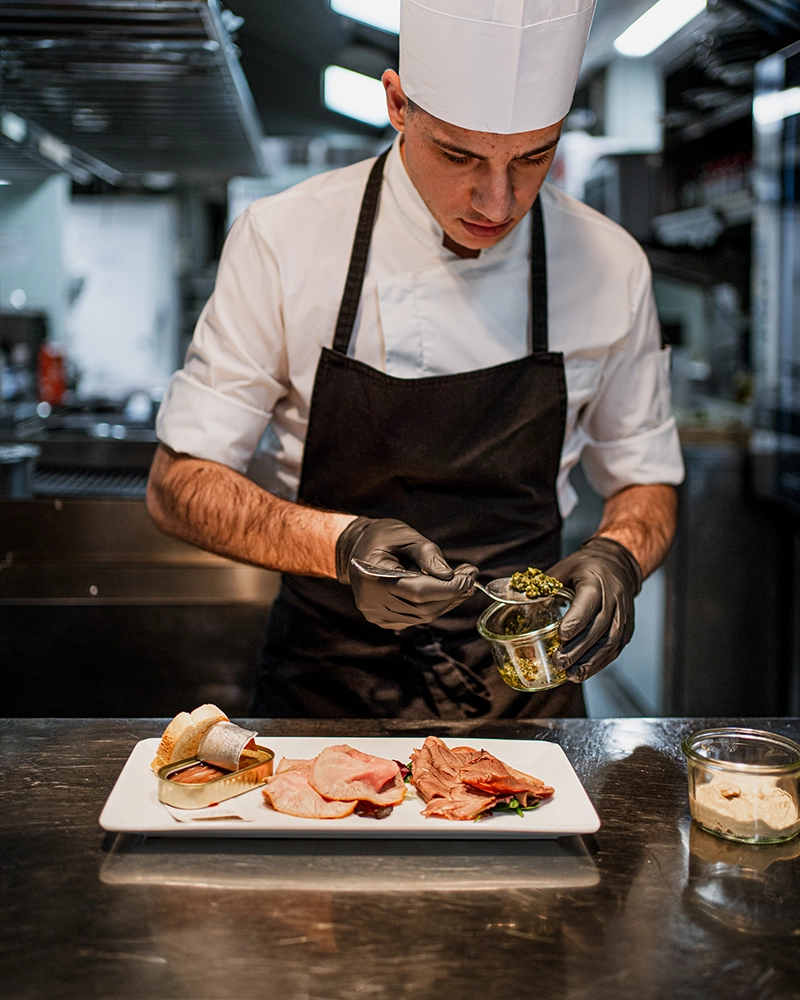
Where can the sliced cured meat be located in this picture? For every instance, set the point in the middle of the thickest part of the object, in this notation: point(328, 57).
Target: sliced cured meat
point(462, 803)
point(489, 774)
point(293, 763)
point(457, 783)
point(435, 768)
point(370, 811)
point(461, 783)
point(289, 792)
point(341, 772)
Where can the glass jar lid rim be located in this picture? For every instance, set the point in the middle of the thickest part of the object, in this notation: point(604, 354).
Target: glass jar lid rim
point(534, 633)
point(688, 745)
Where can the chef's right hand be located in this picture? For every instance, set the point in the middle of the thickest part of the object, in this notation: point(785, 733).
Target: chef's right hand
point(398, 603)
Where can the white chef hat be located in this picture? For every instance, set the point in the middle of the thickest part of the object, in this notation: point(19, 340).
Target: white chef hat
point(493, 65)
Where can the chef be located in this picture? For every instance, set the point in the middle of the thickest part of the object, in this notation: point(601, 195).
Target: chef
point(400, 364)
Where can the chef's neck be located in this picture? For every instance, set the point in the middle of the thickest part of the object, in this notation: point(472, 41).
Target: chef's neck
point(447, 241)
point(457, 248)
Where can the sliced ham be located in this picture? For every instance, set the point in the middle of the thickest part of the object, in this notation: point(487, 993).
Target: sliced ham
point(341, 772)
point(293, 763)
point(289, 792)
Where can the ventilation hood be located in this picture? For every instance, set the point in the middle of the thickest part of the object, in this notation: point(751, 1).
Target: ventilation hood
point(124, 90)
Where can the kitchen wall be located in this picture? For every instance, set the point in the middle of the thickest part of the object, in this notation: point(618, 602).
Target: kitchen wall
point(32, 272)
point(120, 255)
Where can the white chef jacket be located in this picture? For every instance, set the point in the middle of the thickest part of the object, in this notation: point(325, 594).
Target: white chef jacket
point(244, 393)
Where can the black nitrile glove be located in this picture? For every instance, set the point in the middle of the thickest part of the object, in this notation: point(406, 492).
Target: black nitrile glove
point(605, 577)
point(399, 603)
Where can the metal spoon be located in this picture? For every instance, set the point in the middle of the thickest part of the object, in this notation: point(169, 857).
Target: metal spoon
point(499, 590)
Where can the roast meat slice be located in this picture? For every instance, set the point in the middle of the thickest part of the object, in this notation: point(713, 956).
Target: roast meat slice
point(341, 772)
point(289, 792)
point(462, 803)
point(489, 774)
point(435, 768)
point(462, 783)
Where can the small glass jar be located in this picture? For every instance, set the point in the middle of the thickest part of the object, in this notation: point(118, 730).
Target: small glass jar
point(524, 637)
point(744, 784)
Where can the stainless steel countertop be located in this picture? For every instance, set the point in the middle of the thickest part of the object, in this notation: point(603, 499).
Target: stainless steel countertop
point(648, 908)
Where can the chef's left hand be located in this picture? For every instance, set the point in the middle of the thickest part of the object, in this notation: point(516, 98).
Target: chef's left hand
point(605, 577)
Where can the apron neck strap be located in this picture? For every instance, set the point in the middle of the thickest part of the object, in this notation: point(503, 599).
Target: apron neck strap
point(358, 257)
point(537, 332)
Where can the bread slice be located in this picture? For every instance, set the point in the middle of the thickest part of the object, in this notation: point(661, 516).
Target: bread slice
point(182, 736)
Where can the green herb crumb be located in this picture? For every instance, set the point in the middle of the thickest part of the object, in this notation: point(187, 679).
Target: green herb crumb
point(535, 583)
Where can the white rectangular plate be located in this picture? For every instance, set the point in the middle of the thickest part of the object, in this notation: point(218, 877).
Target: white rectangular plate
point(133, 806)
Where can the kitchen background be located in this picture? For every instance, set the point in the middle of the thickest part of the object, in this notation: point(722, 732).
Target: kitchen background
point(133, 132)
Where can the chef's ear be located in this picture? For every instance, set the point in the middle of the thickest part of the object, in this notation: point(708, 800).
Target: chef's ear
point(396, 100)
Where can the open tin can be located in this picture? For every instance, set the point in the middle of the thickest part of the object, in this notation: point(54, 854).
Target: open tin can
point(524, 637)
point(205, 785)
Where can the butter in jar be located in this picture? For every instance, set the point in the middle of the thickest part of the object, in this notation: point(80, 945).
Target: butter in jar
point(744, 784)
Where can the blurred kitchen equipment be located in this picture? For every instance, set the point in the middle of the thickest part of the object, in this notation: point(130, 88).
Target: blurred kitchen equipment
point(21, 335)
point(17, 463)
point(52, 372)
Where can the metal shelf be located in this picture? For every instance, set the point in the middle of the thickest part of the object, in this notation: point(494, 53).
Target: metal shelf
point(129, 88)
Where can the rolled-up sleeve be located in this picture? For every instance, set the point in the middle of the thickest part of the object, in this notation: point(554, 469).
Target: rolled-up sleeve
point(628, 430)
point(218, 406)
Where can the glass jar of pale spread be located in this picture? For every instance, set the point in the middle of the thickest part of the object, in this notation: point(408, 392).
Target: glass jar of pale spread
point(744, 784)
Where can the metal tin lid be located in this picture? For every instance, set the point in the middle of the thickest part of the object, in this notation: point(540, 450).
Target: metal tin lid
point(222, 745)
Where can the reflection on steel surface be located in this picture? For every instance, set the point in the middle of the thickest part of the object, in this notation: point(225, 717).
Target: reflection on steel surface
point(397, 866)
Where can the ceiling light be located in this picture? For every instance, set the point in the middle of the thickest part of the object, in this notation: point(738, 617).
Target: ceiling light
point(159, 180)
point(4, 182)
point(769, 109)
point(231, 21)
point(54, 149)
point(13, 126)
point(90, 120)
point(656, 25)
point(355, 95)
point(383, 14)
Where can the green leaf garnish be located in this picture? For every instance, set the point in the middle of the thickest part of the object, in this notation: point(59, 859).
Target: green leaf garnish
point(512, 805)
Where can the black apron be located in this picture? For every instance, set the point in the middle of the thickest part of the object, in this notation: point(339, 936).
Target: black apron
point(469, 460)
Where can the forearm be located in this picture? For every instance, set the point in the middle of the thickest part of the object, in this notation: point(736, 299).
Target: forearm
point(216, 508)
point(643, 519)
